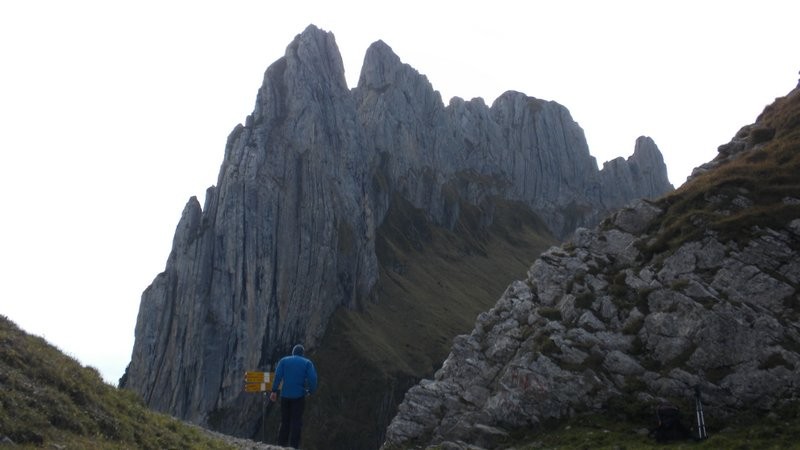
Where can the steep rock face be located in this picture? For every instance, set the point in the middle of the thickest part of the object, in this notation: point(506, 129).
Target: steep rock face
point(276, 248)
point(521, 148)
point(287, 236)
point(701, 288)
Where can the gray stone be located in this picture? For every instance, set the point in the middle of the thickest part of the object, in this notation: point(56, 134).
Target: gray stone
point(635, 218)
point(614, 340)
point(747, 283)
point(617, 244)
point(590, 322)
point(680, 263)
point(619, 362)
point(794, 225)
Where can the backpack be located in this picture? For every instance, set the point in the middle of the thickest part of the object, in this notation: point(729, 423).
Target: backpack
point(668, 424)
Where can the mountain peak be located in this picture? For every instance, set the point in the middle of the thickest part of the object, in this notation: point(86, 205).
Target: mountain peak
point(311, 67)
point(380, 67)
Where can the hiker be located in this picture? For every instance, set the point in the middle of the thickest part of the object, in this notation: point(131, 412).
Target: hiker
point(299, 378)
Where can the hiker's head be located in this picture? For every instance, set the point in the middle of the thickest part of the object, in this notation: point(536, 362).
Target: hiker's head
point(298, 350)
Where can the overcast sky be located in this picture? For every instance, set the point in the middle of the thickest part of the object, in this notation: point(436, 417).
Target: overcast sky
point(113, 114)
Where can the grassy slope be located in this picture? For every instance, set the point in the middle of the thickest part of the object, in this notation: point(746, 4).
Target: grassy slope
point(766, 175)
point(780, 430)
point(49, 399)
point(434, 283)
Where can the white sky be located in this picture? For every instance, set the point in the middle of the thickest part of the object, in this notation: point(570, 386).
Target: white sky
point(113, 114)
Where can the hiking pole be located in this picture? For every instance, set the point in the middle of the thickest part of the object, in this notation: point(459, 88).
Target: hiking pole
point(701, 421)
point(264, 418)
point(267, 405)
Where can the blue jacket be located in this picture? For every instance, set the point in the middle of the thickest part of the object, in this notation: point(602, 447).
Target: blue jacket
point(298, 376)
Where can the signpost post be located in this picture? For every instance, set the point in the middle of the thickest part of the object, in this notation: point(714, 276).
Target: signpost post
point(260, 382)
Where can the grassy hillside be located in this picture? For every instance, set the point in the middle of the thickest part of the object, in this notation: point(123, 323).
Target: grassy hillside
point(779, 430)
point(765, 177)
point(434, 282)
point(48, 399)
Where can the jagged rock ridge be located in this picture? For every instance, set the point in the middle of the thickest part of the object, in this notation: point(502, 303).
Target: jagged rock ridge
point(697, 289)
point(287, 236)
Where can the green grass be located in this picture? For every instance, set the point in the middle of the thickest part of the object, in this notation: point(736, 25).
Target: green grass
point(776, 430)
point(433, 284)
point(47, 399)
point(596, 432)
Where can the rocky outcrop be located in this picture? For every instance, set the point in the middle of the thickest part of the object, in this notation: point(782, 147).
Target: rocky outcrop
point(700, 289)
point(287, 236)
point(598, 319)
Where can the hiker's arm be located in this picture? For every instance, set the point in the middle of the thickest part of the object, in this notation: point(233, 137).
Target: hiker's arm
point(311, 373)
point(276, 383)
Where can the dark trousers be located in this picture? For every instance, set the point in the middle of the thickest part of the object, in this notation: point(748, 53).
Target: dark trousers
point(291, 421)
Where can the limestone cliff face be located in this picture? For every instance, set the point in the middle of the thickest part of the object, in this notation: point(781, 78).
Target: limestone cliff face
point(281, 242)
point(700, 288)
point(287, 235)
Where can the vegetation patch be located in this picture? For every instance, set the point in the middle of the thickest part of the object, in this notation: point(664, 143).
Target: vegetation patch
point(592, 362)
point(633, 326)
point(548, 347)
point(790, 344)
point(649, 363)
point(775, 360)
point(642, 302)
point(625, 298)
point(550, 313)
point(681, 360)
point(622, 425)
point(619, 289)
point(679, 284)
point(766, 176)
point(637, 346)
point(706, 302)
point(717, 374)
point(584, 300)
point(48, 399)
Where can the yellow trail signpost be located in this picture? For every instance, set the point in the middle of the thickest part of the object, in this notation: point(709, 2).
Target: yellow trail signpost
point(260, 382)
